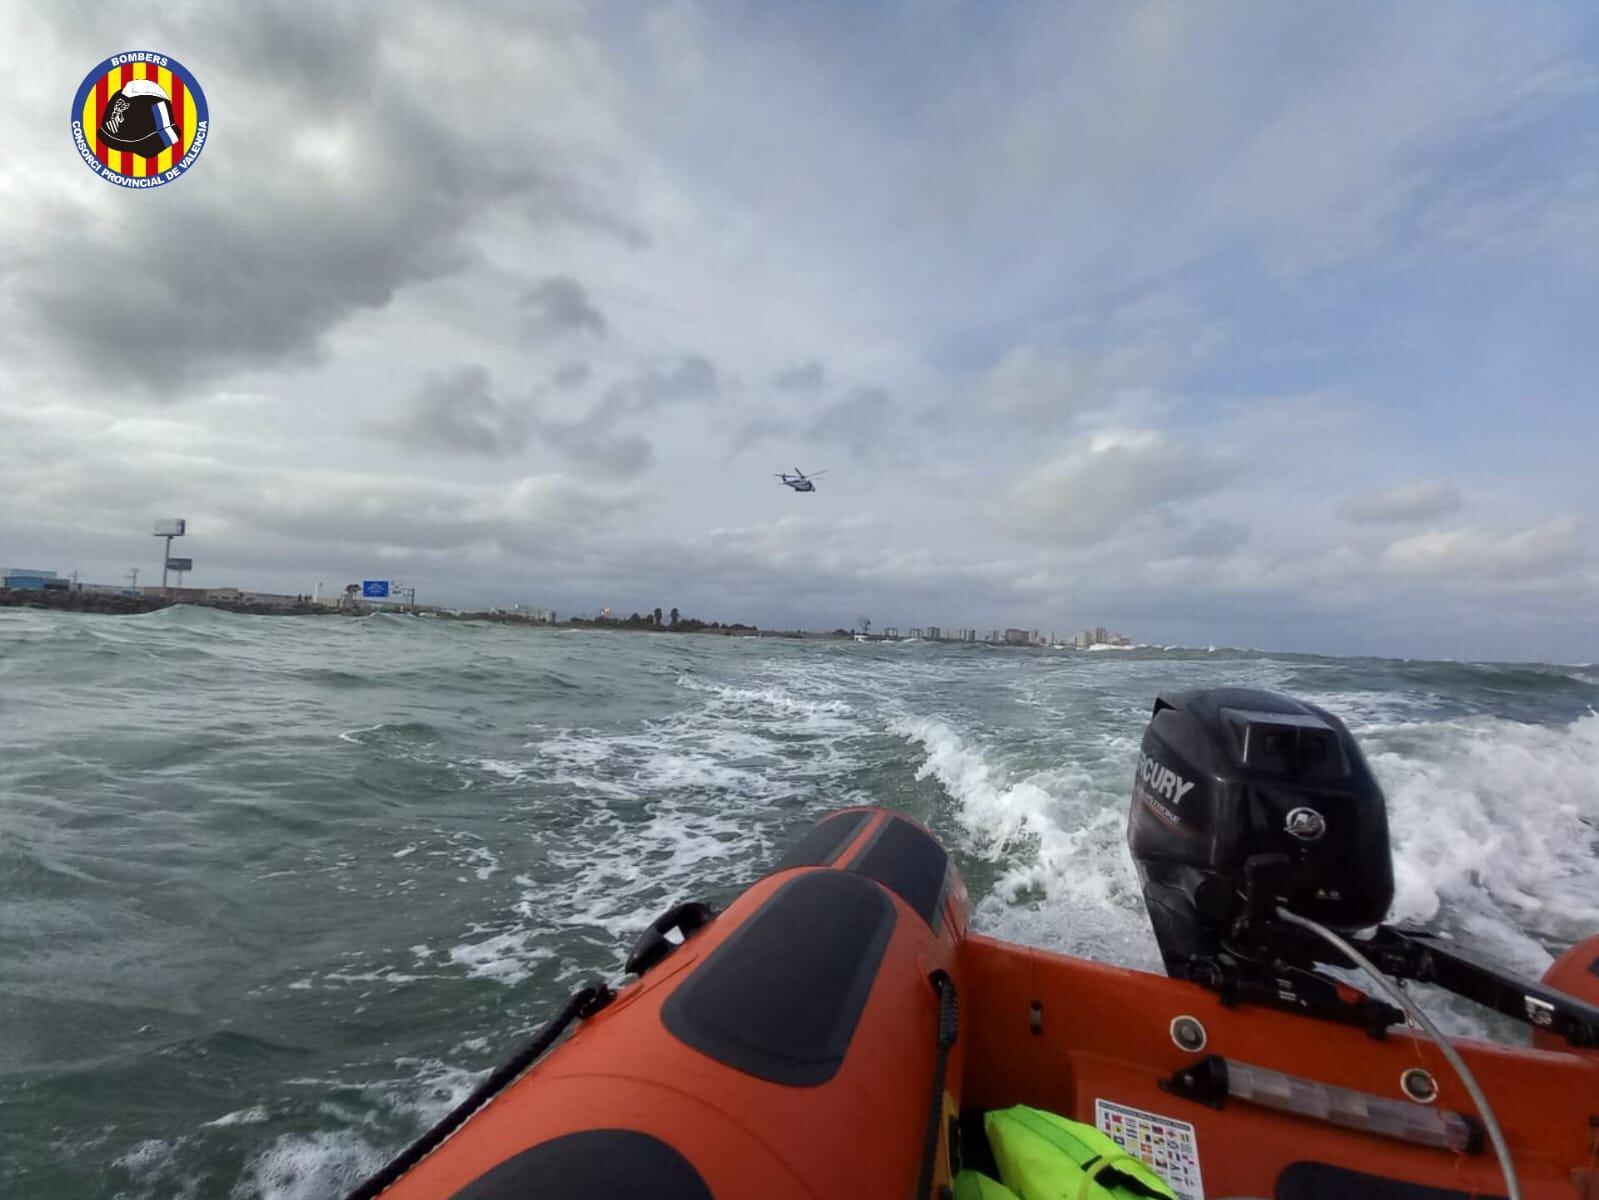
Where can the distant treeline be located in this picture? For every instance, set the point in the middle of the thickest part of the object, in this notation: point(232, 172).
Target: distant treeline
point(673, 622)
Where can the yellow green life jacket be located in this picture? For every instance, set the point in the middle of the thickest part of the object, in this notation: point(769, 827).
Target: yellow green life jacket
point(972, 1185)
point(1045, 1157)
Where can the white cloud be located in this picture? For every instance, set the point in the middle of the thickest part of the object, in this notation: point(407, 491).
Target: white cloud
point(1486, 554)
point(1090, 494)
point(1033, 381)
point(1414, 501)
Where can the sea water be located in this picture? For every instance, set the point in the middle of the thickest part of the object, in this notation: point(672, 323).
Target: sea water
point(276, 892)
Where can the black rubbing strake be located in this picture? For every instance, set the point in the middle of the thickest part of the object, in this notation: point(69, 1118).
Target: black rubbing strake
point(823, 841)
point(781, 997)
point(1320, 1181)
point(948, 1031)
point(618, 1164)
point(909, 862)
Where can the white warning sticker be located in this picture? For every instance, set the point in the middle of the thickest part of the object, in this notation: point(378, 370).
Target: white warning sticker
point(1164, 1145)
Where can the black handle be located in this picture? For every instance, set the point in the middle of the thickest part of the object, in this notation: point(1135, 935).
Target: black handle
point(652, 945)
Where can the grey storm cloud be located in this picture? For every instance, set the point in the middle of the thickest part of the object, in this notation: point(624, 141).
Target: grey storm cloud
point(560, 305)
point(617, 455)
point(690, 378)
point(456, 409)
point(806, 377)
point(1414, 501)
point(518, 516)
point(859, 421)
point(571, 375)
point(598, 441)
point(257, 257)
point(459, 410)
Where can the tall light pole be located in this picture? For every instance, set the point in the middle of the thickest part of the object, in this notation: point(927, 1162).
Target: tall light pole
point(174, 528)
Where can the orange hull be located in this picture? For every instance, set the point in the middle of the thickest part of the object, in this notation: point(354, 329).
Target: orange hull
point(791, 1048)
point(1105, 1033)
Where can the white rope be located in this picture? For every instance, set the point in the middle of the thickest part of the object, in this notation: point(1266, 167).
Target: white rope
point(1397, 995)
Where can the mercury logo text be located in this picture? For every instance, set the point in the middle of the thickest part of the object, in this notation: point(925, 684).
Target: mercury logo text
point(1162, 780)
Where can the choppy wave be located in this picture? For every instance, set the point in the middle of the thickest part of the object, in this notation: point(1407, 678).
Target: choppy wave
point(298, 883)
point(1496, 829)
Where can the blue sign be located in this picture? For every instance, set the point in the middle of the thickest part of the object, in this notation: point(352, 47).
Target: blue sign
point(375, 589)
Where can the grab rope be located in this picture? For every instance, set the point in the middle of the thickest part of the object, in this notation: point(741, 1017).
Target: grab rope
point(585, 1002)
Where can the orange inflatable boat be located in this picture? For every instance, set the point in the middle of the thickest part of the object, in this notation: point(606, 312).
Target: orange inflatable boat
point(838, 1032)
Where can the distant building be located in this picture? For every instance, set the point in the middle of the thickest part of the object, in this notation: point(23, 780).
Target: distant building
point(971, 636)
point(269, 599)
point(1016, 637)
point(25, 579)
point(934, 633)
point(530, 613)
point(179, 594)
point(891, 631)
point(996, 635)
point(1084, 639)
point(917, 633)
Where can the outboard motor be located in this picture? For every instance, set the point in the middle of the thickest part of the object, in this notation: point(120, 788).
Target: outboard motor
point(1248, 802)
point(1244, 800)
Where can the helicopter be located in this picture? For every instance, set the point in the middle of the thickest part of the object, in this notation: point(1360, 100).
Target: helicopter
point(800, 481)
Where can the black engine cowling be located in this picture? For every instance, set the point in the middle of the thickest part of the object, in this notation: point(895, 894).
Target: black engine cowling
point(1246, 799)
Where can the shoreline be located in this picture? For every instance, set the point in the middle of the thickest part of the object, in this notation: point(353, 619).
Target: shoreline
point(121, 604)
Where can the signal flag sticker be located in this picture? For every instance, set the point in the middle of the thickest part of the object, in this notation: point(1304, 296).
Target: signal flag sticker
point(139, 119)
point(1163, 1144)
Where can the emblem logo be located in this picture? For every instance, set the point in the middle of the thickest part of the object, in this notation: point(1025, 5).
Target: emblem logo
point(139, 119)
point(1306, 824)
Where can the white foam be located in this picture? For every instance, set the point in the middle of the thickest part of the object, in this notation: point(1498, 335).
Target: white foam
point(243, 1116)
point(148, 1156)
point(298, 1167)
point(623, 872)
point(384, 975)
point(485, 861)
point(770, 697)
point(505, 770)
point(1070, 884)
point(993, 812)
point(1496, 822)
point(505, 957)
point(434, 1090)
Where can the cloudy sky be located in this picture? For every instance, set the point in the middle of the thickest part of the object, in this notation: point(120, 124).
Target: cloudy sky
point(1252, 324)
